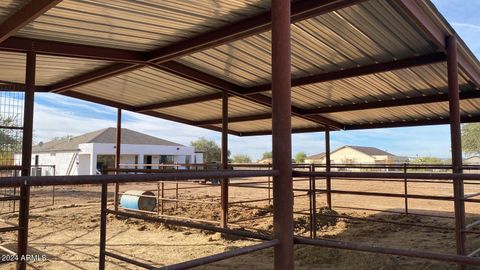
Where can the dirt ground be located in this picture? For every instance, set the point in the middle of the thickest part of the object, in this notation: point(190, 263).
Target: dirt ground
point(67, 232)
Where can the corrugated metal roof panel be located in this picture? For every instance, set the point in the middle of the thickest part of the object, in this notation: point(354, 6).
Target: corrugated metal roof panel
point(144, 86)
point(405, 113)
point(367, 33)
point(266, 125)
point(213, 109)
point(49, 69)
point(399, 84)
point(52, 69)
point(8, 7)
point(374, 31)
point(12, 67)
point(136, 25)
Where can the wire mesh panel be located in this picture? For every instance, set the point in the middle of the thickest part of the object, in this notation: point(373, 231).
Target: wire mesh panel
point(11, 121)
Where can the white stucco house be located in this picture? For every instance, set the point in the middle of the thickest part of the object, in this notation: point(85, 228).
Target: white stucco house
point(88, 153)
point(350, 154)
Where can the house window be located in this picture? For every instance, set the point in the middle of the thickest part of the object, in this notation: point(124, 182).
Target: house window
point(105, 161)
point(187, 159)
point(36, 160)
point(167, 159)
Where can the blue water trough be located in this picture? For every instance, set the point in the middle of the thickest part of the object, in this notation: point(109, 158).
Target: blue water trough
point(138, 200)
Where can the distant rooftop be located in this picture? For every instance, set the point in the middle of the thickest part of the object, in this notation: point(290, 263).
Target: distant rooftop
point(107, 135)
point(316, 156)
point(371, 151)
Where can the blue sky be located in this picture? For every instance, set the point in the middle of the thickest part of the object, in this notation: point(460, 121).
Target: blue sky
point(57, 115)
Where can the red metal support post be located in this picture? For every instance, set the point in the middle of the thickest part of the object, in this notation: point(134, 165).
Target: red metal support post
point(24, 210)
point(328, 179)
point(224, 182)
point(282, 135)
point(103, 227)
point(456, 143)
point(118, 148)
point(405, 187)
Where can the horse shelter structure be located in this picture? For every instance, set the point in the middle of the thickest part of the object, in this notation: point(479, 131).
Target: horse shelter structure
point(246, 67)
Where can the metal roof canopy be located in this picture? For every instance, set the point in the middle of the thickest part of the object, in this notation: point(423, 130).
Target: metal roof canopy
point(355, 64)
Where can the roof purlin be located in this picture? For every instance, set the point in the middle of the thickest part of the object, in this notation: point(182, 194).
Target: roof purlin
point(201, 77)
point(354, 107)
point(24, 16)
point(132, 108)
point(318, 78)
point(437, 35)
point(302, 9)
point(431, 122)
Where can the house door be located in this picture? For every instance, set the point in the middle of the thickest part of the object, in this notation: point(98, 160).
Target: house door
point(147, 160)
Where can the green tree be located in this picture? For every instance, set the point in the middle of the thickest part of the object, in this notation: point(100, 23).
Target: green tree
point(300, 157)
point(471, 138)
point(10, 142)
point(428, 160)
point(62, 138)
point(267, 155)
point(212, 152)
point(241, 158)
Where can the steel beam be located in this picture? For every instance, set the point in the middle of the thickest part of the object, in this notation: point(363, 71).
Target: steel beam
point(24, 16)
point(303, 9)
point(416, 10)
point(131, 108)
point(352, 107)
point(236, 119)
point(64, 49)
point(262, 22)
point(281, 136)
point(233, 89)
point(17, 88)
point(180, 102)
point(92, 76)
point(24, 209)
point(335, 75)
point(224, 159)
point(412, 123)
point(444, 121)
point(14, 87)
point(456, 144)
point(358, 71)
point(391, 103)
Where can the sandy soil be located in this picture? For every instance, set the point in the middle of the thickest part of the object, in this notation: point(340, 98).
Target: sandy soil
point(67, 233)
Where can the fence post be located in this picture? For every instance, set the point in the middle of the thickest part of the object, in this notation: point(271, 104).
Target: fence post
point(310, 198)
point(314, 202)
point(163, 196)
point(158, 199)
point(103, 227)
point(405, 187)
point(328, 179)
point(176, 195)
point(53, 188)
point(269, 187)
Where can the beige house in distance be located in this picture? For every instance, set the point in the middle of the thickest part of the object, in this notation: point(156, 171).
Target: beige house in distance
point(349, 154)
point(474, 160)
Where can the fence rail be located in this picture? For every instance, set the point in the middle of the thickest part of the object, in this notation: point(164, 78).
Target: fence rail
point(301, 173)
